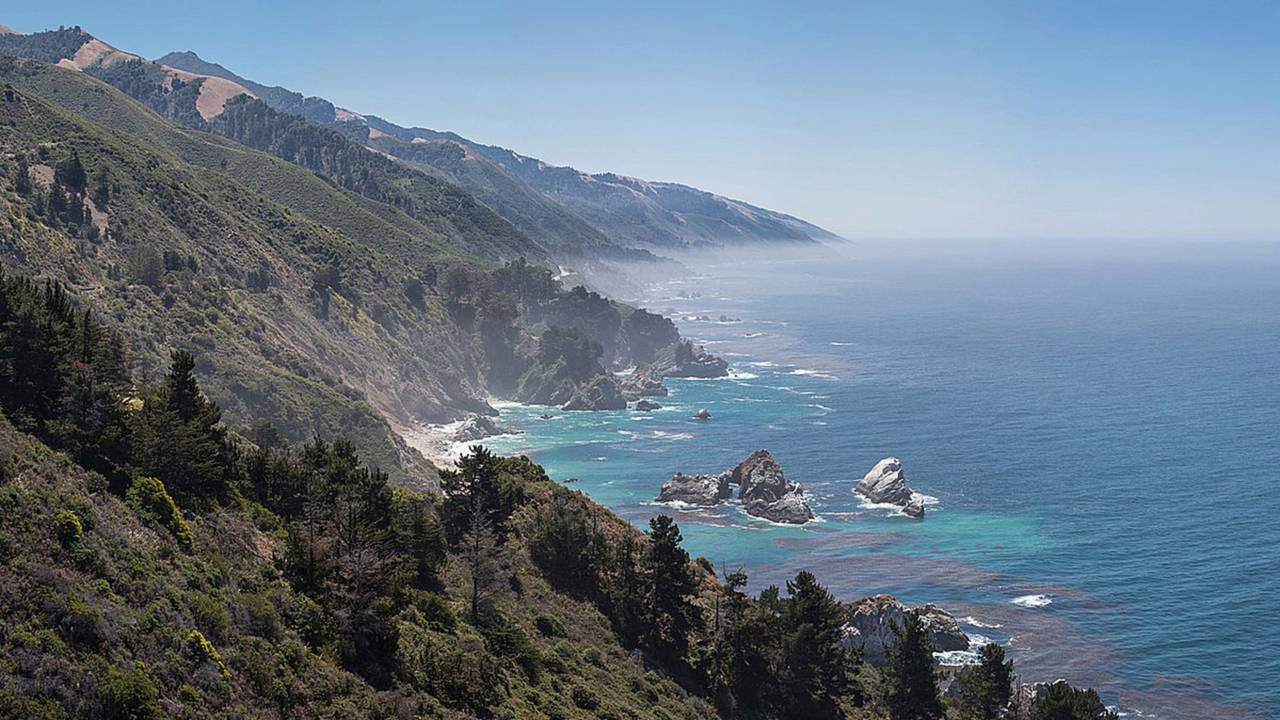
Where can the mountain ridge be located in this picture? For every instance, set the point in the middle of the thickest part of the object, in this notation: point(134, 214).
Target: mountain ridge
point(670, 215)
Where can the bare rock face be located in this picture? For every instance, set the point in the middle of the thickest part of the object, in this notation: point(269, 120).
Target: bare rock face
point(870, 627)
point(685, 360)
point(760, 477)
point(599, 393)
point(764, 491)
point(914, 508)
point(479, 427)
point(791, 508)
point(886, 484)
point(696, 489)
point(643, 382)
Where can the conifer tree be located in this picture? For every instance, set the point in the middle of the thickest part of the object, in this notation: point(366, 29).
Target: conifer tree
point(986, 688)
point(911, 689)
point(816, 668)
point(671, 615)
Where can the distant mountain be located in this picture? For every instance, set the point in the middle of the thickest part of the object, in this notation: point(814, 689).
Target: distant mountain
point(587, 210)
point(434, 211)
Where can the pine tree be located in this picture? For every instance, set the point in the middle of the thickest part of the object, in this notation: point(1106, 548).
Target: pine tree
point(485, 561)
point(671, 616)
point(986, 688)
point(816, 668)
point(911, 689)
point(183, 392)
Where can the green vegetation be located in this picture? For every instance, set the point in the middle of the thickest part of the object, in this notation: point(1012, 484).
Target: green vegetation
point(911, 690)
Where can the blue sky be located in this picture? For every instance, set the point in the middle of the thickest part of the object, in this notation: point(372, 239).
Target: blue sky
point(1029, 120)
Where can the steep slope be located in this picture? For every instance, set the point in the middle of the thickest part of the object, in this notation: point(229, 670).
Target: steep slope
point(225, 107)
point(309, 329)
point(628, 211)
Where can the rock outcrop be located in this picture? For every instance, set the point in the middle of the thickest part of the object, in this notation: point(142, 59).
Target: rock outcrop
point(885, 483)
point(479, 427)
point(646, 406)
point(599, 393)
point(643, 382)
point(1026, 694)
point(696, 489)
point(914, 508)
point(762, 488)
point(685, 360)
point(702, 414)
point(870, 627)
point(765, 492)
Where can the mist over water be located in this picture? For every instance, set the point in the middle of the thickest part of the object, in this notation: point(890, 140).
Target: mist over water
point(1098, 424)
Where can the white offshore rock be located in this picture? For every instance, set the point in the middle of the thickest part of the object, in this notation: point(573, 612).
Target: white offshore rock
point(886, 484)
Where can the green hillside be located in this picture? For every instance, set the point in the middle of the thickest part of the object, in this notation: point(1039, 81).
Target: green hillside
point(309, 329)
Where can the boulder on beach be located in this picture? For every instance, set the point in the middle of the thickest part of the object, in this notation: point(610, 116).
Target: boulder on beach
point(600, 393)
point(696, 489)
point(870, 627)
point(885, 483)
point(647, 406)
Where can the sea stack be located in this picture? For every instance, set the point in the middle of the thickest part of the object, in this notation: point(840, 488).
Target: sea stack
point(762, 488)
point(886, 483)
point(702, 415)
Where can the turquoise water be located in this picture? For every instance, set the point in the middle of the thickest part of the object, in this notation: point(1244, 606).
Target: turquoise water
point(1098, 425)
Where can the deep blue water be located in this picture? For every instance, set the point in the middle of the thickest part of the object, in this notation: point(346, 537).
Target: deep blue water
point(1100, 426)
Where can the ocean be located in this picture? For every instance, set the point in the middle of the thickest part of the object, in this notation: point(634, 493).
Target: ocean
point(1098, 426)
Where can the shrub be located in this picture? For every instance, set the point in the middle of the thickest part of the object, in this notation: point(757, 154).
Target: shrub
point(148, 497)
point(127, 696)
point(68, 528)
point(13, 705)
point(585, 697)
point(82, 624)
point(204, 651)
point(549, 626)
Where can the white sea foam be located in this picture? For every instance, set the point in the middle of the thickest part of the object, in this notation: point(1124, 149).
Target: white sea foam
point(750, 335)
point(735, 375)
point(763, 363)
point(971, 620)
point(1032, 601)
point(499, 404)
point(841, 344)
point(664, 435)
point(971, 655)
point(813, 373)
